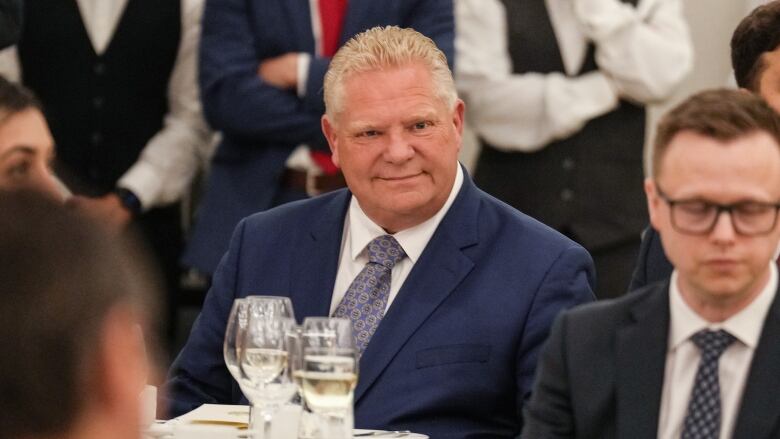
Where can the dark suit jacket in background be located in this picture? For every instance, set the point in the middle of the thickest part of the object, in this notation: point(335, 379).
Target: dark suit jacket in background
point(455, 355)
point(651, 264)
point(10, 22)
point(601, 373)
point(261, 124)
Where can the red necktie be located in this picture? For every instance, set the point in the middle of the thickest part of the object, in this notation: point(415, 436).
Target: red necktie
point(331, 20)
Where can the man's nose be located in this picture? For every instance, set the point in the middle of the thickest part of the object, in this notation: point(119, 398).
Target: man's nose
point(399, 148)
point(724, 231)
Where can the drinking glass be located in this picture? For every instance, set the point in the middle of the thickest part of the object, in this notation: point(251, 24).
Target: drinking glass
point(236, 328)
point(263, 354)
point(328, 373)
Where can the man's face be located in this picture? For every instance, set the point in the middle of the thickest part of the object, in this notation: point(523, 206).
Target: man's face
point(769, 79)
point(720, 266)
point(397, 144)
point(26, 152)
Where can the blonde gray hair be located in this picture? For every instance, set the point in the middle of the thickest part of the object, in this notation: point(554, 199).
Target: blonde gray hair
point(383, 47)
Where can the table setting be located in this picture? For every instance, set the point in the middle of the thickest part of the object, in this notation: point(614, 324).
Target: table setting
point(299, 379)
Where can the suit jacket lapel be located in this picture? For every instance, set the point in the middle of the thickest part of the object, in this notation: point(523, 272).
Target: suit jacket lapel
point(299, 20)
point(760, 411)
point(441, 267)
point(640, 363)
point(316, 260)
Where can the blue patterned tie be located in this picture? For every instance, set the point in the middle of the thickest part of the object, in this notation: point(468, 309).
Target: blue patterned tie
point(703, 418)
point(365, 301)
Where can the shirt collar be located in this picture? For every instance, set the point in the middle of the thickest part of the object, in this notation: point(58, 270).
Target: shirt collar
point(746, 325)
point(413, 240)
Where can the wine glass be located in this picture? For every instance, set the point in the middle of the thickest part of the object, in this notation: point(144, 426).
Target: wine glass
point(236, 327)
point(263, 357)
point(328, 372)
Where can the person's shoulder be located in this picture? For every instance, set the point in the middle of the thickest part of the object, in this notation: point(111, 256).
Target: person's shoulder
point(300, 213)
point(613, 311)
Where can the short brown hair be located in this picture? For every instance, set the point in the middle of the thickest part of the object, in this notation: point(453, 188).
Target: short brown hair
point(755, 35)
point(722, 114)
point(60, 276)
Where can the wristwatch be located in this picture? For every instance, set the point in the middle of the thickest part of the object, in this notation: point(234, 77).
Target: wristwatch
point(129, 200)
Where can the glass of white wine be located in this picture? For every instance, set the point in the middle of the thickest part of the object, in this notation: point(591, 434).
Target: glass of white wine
point(263, 353)
point(328, 373)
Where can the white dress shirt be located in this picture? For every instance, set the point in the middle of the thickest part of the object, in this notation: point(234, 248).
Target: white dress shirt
point(360, 230)
point(643, 53)
point(170, 159)
point(682, 358)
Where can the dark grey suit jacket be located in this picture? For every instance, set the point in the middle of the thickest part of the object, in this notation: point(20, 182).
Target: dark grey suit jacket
point(602, 369)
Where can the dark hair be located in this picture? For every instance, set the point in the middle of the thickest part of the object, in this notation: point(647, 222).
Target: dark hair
point(755, 35)
point(60, 276)
point(15, 98)
point(722, 114)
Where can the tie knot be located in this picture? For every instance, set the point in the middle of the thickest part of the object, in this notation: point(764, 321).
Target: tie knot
point(712, 343)
point(385, 250)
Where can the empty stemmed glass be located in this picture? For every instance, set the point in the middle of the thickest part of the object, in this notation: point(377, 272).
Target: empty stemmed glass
point(262, 354)
point(236, 328)
point(327, 373)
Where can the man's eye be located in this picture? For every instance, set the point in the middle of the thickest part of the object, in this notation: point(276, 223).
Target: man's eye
point(368, 133)
point(19, 170)
point(695, 207)
point(754, 209)
point(421, 125)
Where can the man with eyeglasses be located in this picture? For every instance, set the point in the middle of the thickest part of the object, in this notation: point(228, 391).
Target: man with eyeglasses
point(755, 58)
point(697, 355)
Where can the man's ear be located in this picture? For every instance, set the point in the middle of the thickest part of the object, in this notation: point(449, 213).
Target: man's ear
point(653, 201)
point(458, 114)
point(329, 130)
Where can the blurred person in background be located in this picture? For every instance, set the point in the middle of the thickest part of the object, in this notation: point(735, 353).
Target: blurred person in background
point(261, 72)
point(74, 300)
point(755, 59)
point(557, 91)
point(26, 144)
point(118, 81)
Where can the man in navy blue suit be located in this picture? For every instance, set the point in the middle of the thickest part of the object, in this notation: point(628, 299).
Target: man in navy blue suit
point(755, 57)
point(262, 65)
point(473, 285)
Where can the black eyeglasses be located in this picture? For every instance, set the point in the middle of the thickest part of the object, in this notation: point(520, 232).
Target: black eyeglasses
point(698, 217)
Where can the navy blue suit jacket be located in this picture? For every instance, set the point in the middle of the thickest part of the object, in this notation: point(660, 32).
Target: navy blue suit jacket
point(455, 355)
point(262, 124)
point(651, 264)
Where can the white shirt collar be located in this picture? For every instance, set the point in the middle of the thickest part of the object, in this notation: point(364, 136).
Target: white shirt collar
point(746, 325)
point(412, 240)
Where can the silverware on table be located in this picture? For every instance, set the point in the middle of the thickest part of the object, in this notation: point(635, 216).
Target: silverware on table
point(396, 433)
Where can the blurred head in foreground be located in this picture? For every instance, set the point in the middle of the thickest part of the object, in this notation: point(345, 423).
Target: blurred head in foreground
point(74, 301)
point(26, 144)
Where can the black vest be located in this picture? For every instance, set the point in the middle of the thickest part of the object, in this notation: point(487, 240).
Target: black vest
point(588, 185)
point(102, 109)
